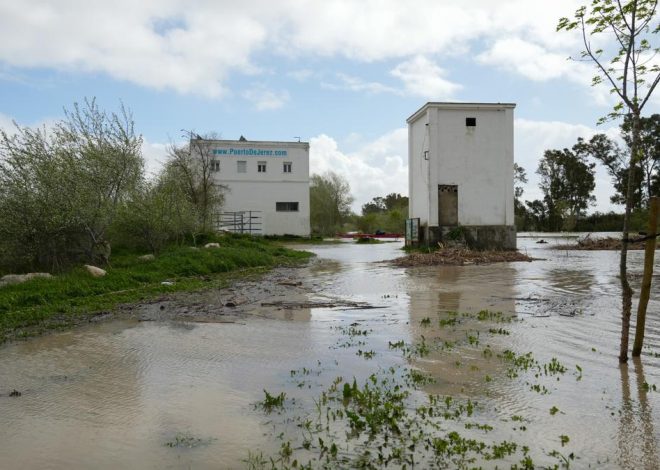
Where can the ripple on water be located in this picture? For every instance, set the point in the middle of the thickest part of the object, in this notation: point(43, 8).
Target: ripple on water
point(114, 394)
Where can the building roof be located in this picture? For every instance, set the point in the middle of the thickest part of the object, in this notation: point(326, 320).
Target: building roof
point(257, 143)
point(457, 107)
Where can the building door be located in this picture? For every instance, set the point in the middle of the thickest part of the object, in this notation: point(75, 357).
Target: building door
point(447, 204)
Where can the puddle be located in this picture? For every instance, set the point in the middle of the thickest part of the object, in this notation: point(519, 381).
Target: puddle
point(175, 394)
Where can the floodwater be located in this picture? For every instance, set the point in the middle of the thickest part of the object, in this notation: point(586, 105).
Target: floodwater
point(128, 394)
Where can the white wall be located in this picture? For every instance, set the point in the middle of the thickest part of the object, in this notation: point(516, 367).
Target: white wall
point(254, 191)
point(479, 160)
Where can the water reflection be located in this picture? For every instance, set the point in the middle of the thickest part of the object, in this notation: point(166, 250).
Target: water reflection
point(113, 394)
point(637, 444)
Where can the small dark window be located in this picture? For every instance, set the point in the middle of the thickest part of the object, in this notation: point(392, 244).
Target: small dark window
point(286, 206)
point(471, 121)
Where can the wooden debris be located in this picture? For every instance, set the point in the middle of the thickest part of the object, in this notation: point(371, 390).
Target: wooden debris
point(292, 305)
point(460, 257)
point(593, 244)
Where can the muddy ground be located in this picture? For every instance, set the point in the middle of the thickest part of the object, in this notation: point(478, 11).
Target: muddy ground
point(284, 292)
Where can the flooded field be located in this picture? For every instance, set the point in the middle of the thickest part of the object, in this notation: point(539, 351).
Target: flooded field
point(129, 394)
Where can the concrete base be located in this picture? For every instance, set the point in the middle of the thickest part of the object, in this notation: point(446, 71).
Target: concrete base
point(478, 237)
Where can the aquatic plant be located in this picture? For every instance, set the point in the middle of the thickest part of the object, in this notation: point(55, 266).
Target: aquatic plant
point(272, 402)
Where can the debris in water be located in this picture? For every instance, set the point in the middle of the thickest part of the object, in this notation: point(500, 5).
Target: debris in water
point(460, 257)
point(15, 393)
point(346, 304)
point(607, 243)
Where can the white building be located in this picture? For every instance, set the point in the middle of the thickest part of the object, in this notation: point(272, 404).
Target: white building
point(460, 163)
point(268, 181)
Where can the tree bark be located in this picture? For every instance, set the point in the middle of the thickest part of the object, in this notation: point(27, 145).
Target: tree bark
point(626, 290)
point(645, 292)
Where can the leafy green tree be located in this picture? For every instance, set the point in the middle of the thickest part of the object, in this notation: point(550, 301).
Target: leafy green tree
point(330, 202)
point(520, 212)
point(60, 189)
point(649, 153)
point(567, 181)
point(393, 201)
point(158, 213)
point(386, 214)
point(538, 214)
point(626, 28)
point(375, 206)
point(646, 170)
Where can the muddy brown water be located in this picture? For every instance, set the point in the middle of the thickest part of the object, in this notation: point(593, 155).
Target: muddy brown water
point(113, 395)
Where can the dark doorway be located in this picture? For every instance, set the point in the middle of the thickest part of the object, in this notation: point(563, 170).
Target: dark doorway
point(447, 204)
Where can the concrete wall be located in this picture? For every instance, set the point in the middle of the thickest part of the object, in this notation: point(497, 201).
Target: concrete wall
point(443, 150)
point(255, 191)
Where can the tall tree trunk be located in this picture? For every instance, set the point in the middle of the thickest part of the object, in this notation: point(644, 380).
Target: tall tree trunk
point(645, 291)
point(626, 290)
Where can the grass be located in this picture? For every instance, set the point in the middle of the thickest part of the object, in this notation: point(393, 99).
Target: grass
point(67, 298)
point(367, 241)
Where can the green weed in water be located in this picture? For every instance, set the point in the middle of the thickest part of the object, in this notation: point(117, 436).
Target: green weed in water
point(272, 402)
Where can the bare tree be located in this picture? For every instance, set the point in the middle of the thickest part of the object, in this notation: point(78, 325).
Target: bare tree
point(194, 166)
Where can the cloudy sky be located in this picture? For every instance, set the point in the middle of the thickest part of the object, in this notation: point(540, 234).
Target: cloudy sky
point(341, 74)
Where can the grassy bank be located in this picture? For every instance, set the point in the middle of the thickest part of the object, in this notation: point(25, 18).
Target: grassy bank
point(68, 298)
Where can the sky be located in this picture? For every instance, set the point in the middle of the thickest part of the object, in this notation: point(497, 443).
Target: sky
point(341, 74)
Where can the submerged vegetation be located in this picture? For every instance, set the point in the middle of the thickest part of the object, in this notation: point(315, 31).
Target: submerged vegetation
point(392, 418)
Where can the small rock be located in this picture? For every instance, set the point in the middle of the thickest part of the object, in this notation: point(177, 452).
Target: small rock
point(20, 278)
point(94, 271)
point(212, 245)
point(167, 283)
point(147, 257)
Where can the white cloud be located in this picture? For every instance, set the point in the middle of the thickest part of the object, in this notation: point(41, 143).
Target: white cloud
point(265, 99)
point(193, 48)
point(155, 156)
point(423, 77)
point(301, 75)
point(347, 82)
point(375, 169)
point(6, 123)
point(529, 60)
point(420, 77)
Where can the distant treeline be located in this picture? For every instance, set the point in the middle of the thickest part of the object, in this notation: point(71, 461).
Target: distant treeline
point(596, 222)
point(567, 181)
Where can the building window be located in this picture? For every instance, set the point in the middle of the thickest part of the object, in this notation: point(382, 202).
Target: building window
point(241, 166)
point(261, 167)
point(287, 167)
point(471, 121)
point(286, 206)
point(215, 165)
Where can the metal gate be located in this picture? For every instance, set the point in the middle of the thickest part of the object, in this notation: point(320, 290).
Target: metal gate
point(240, 222)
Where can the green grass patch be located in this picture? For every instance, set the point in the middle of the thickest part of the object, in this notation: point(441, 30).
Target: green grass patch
point(75, 293)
